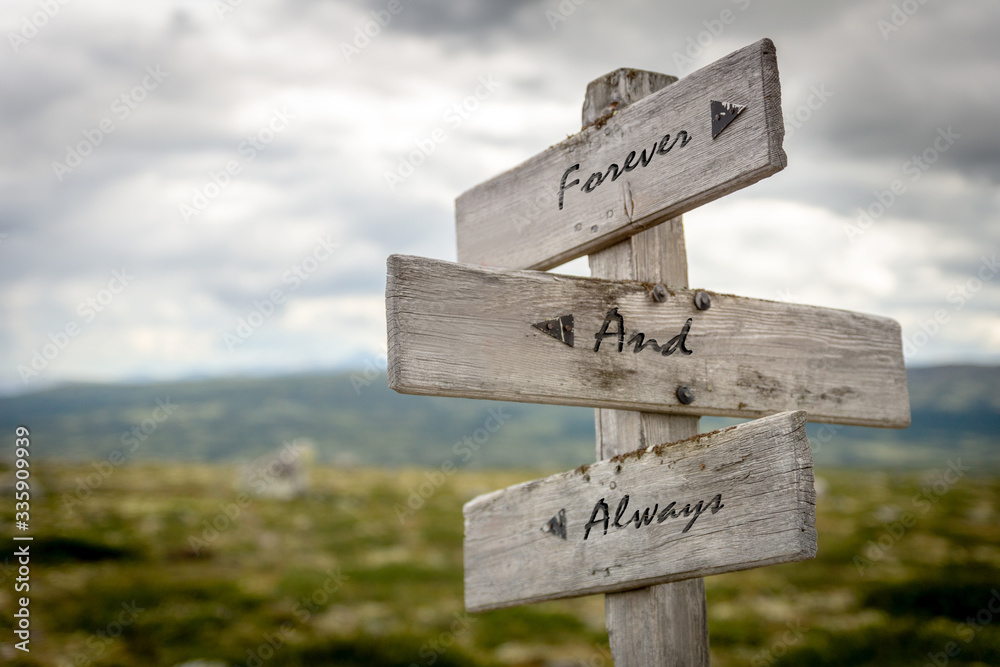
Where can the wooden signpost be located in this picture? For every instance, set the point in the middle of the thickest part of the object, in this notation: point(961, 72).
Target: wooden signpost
point(644, 350)
point(647, 163)
point(544, 338)
point(730, 500)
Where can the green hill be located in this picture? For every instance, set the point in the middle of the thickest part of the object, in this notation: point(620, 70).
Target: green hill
point(354, 420)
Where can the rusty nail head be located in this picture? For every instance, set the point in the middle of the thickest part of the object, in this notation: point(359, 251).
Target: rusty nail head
point(659, 292)
point(702, 301)
point(685, 395)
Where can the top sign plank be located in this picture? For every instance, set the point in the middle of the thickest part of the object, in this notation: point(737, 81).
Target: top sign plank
point(652, 161)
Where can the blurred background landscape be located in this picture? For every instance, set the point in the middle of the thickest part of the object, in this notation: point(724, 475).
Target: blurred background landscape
point(335, 578)
point(196, 203)
point(349, 551)
point(354, 419)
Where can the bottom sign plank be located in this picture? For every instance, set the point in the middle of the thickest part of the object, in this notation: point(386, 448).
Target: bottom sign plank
point(733, 499)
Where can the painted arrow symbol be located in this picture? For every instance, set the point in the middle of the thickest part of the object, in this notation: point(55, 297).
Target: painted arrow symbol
point(556, 525)
point(560, 328)
point(724, 113)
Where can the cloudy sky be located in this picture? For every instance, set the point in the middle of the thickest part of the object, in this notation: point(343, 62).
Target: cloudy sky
point(198, 188)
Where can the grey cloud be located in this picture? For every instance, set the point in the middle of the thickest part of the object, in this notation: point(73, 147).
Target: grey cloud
point(467, 18)
point(120, 207)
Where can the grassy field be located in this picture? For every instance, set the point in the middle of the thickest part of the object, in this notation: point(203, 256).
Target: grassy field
point(131, 571)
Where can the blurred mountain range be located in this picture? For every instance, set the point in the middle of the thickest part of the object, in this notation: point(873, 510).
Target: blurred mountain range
point(355, 419)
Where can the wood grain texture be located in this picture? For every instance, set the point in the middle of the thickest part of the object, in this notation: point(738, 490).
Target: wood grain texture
point(459, 330)
point(514, 220)
point(663, 625)
point(655, 255)
point(666, 624)
point(760, 472)
point(619, 431)
point(618, 89)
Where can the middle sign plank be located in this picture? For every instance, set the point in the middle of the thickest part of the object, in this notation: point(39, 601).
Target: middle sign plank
point(713, 132)
point(535, 337)
point(733, 499)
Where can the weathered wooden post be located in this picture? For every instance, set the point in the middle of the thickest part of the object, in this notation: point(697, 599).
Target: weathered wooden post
point(665, 624)
point(648, 520)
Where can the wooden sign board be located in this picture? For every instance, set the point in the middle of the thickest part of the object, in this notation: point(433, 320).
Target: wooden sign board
point(655, 159)
point(733, 499)
point(529, 336)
